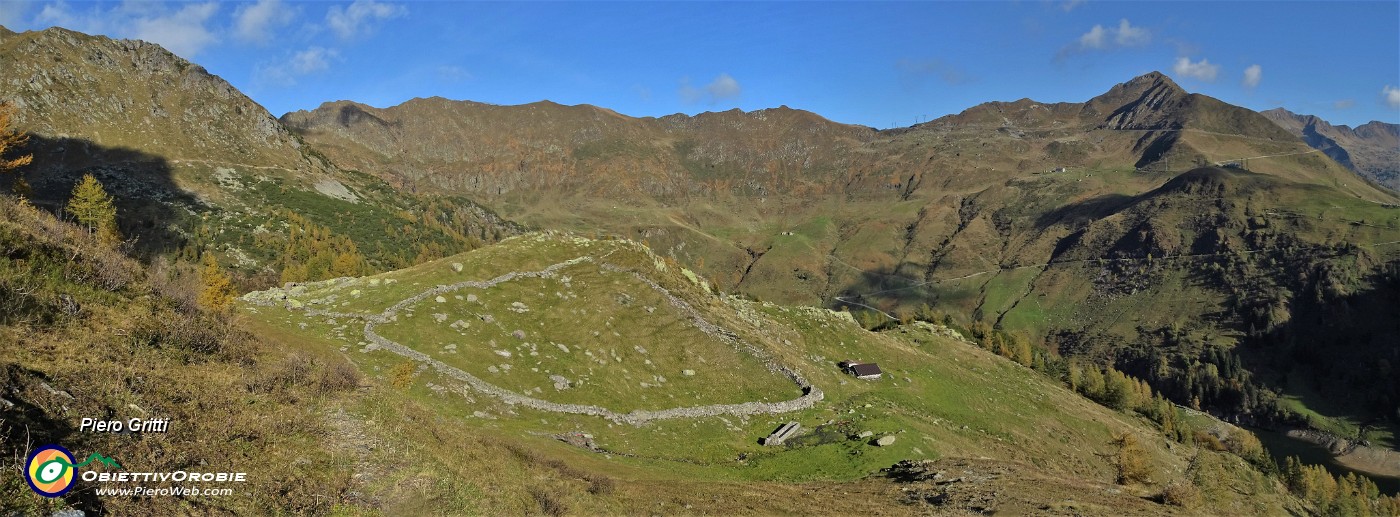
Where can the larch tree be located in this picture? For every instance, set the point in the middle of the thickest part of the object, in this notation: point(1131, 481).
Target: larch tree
point(216, 289)
point(93, 208)
point(10, 140)
point(1134, 465)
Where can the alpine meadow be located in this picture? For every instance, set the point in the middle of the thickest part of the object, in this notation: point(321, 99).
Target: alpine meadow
point(1148, 293)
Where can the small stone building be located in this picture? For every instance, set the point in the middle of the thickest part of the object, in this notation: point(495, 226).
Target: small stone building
point(862, 370)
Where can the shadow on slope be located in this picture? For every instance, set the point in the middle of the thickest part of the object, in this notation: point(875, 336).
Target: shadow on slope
point(150, 206)
point(1079, 213)
point(1341, 344)
point(26, 422)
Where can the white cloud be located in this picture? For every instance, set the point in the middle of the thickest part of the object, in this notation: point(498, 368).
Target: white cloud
point(1069, 5)
point(311, 60)
point(258, 22)
point(57, 14)
point(13, 13)
point(360, 16)
point(1128, 36)
point(303, 63)
point(184, 31)
point(1105, 38)
point(1094, 38)
point(1202, 70)
point(1252, 76)
point(1392, 96)
point(723, 87)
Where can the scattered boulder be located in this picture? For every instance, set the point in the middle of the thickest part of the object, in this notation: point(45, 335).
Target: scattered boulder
point(560, 382)
point(55, 391)
point(865, 434)
point(440, 299)
point(885, 441)
point(688, 373)
point(457, 266)
point(579, 439)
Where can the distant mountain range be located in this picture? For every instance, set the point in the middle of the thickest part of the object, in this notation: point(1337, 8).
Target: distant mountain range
point(1372, 149)
point(463, 146)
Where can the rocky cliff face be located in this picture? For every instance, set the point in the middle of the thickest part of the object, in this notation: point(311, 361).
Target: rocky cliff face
point(1371, 150)
point(138, 96)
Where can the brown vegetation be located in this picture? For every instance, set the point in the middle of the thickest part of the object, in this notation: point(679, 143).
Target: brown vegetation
point(1134, 466)
point(11, 139)
point(1181, 493)
point(88, 334)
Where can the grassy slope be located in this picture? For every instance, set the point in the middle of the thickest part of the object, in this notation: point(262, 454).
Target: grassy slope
point(858, 246)
point(941, 399)
point(88, 333)
point(195, 164)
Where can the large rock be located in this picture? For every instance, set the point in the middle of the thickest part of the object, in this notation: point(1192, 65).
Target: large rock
point(885, 441)
point(560, 382)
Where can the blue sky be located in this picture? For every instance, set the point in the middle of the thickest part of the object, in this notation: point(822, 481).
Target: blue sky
point(877, 64)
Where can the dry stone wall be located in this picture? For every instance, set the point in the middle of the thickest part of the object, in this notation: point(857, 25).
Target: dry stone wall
point(810, 394)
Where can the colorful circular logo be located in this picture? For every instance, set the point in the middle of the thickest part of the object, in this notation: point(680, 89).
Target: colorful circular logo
point(50, 471)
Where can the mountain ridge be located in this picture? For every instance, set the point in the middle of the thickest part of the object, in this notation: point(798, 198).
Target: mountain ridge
point(177, 146)
point(1150, 121)
point(1372, 149)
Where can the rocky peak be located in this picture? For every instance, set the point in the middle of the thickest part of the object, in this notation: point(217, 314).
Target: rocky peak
point(1149, 101)
point(342, 113)
point(1379, 131)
